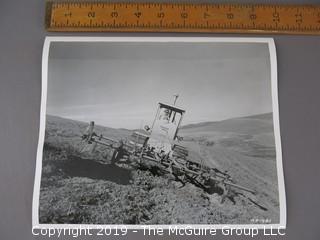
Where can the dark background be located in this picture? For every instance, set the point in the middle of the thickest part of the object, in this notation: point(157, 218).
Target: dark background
point(21, 40)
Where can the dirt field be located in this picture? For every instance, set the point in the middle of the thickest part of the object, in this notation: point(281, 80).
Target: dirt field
point(80, 186)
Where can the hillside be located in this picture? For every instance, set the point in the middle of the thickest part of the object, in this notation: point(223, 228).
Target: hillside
point(80, 186)
point(245, 125)
point(245, 147)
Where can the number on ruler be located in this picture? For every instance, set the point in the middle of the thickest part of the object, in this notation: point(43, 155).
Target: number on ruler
point(138, 14)
point(299, 18)
point(114, 14)
point(160, 15)
point(253, 16)
point(276, 17)
point(91, 14)
point(230, 16)
point(184, 15)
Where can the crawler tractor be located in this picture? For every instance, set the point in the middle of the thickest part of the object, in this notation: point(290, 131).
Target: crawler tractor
point(157, 147)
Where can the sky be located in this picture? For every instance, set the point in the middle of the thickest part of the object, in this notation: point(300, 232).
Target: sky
point(120, 84)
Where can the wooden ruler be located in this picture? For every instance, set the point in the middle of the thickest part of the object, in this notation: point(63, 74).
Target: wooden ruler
point(182, 17)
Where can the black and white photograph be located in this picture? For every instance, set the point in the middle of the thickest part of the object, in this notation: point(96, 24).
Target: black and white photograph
point(159, 131)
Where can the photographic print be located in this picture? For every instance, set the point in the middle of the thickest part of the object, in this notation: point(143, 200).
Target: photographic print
point(159, 131)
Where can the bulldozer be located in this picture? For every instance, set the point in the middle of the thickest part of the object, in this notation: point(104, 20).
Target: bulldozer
point(158, 147)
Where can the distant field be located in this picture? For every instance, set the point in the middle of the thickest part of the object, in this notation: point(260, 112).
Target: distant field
point(245, 147)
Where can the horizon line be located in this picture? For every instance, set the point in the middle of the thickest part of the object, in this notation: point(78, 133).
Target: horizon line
point(182, 126)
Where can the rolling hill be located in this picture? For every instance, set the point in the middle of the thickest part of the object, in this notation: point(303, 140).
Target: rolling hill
point(79, 186)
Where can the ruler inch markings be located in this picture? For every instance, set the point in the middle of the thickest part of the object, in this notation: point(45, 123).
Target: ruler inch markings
point(182, 17)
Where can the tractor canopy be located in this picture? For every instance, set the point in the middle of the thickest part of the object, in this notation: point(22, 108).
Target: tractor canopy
point(165, 126)
point(172, 108)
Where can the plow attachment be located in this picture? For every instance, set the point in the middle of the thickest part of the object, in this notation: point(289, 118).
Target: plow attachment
point(137, 152)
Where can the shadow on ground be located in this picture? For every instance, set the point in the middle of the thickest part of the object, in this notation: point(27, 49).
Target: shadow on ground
point(79, 167)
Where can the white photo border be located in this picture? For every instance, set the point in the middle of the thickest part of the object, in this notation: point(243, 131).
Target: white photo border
point(276, 124)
